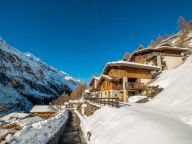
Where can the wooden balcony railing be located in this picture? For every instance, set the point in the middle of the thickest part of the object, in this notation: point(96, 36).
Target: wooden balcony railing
point(114, 102)
point(130, 86)
point(151, 55)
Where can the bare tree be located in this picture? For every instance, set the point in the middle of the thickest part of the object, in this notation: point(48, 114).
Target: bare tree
point(155, 43)
point(140, 47)
point(165, 36)
point(75, 95)
point(158, 39)
point(181, 23)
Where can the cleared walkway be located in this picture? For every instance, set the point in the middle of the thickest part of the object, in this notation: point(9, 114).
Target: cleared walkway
point(71, 133)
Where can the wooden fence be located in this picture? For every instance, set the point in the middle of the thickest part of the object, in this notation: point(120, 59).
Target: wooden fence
point(114, 102)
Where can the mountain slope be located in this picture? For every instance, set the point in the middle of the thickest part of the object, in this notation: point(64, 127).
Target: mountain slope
point(181, 39)
point(25, 80)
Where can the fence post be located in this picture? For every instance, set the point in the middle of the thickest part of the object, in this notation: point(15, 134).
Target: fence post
point(117, 103)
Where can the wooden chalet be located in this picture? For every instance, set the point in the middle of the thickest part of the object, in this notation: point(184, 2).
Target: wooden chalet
point(107, 86)
point(44, 111)
point(93, 86)
point(165, 56)
point(122, 79)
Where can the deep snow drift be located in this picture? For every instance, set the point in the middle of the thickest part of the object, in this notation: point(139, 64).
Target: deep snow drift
point(167, 119)
point(177, 94)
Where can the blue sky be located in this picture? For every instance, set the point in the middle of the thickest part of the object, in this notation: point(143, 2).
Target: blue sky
point(80, 36)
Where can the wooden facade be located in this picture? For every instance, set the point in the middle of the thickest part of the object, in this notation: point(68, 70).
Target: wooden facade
point(107, 85)
point(155, 56)
point(93, 84)
point(44, 115)
point(120, 72)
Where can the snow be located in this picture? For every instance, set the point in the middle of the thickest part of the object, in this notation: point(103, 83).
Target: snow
point(8, 136)
point(29, 121)
point(83, 125)
point(107, 77)
point(172, 48)
point(14, 115)
point(97, 78)
point(74, 101)
point(190, 34)
point(31, 56)
point(133, 64)
point(4, 132)
point(134, 99)
point(159, 47)
point(136, 125)
point(166, 119)
point(87, 91)
point(40, 132)
point(177, 93)
point(45, 108)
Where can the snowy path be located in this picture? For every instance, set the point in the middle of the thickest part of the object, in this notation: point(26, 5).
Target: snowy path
point(71, 133)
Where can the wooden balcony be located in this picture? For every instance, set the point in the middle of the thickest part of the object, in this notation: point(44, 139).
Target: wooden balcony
point(130, 86)
point(151, 55)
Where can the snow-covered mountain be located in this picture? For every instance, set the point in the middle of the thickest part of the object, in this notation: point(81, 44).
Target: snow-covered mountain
point(25, 80)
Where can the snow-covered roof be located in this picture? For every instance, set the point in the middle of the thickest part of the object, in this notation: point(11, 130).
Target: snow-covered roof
point(40, 132)
point(92, 79)
point(159, 48)
point(96, 78)
point(107, 77)
point(87, 91)
point(128, 64)
point(173, 48)
point(14, 115)
point(73, 101)
point(29, 121)
point(44, 108)
point(4, 132)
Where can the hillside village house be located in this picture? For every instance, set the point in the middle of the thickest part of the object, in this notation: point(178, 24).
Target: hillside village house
point(126, 78)
point(123, 79)
point(165, 56)
point(45, 111)
point(93, 86)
